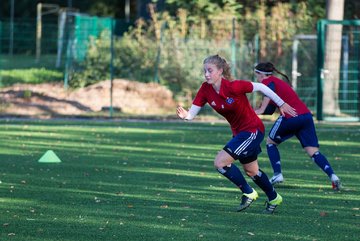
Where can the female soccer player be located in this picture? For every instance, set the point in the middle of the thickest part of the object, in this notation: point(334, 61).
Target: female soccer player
point(302, 126)
point(229, 99)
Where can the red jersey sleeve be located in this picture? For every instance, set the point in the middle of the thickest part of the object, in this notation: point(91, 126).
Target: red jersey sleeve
point(200, 98)
point(241, 87)
point(288, 95)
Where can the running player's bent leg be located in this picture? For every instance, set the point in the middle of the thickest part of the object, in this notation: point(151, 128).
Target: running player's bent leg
point(223, 163)
point(263, 182)
point(274, 157)
point(260, 179)
point(233, 173)
point(320, 160)
point(323, 163)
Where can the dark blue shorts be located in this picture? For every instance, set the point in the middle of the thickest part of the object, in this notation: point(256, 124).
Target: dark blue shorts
point(301, 126)
point(245, 146)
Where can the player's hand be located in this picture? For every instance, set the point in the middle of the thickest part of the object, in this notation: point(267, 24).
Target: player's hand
point(181, 112)
point(285, 108)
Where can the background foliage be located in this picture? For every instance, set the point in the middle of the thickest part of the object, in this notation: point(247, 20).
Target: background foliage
point(170, 45)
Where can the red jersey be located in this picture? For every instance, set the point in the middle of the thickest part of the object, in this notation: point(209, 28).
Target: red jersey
point(231, 103)
point(287, 94)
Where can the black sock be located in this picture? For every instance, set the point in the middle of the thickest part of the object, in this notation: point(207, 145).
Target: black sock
point(263, 182)
point(235, 176)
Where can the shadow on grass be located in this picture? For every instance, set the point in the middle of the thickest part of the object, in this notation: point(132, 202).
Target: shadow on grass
point(156, 181)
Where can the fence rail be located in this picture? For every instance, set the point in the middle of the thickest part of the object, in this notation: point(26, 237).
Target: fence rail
point(80, 40)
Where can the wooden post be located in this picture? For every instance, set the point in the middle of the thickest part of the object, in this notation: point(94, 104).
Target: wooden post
point(38, 32)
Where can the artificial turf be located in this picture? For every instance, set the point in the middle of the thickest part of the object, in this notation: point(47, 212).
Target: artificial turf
point(129, 180)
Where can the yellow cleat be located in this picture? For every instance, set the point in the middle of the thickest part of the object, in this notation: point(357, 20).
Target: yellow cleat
point(247, 199)
point(271, 205)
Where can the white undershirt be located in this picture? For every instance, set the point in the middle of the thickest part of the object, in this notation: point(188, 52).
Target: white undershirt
point(268, 92)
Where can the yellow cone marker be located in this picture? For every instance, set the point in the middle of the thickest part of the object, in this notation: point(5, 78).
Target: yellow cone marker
point(49, 157)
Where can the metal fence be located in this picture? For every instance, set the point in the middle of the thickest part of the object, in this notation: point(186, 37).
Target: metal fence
point(338, 76)
point(66, 48)
point(185, 56)
point(18, 45)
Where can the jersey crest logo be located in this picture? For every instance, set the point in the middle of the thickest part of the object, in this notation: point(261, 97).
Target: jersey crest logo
point(229, 100)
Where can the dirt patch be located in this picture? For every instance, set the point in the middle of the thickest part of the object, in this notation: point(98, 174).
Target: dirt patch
point(49, 100)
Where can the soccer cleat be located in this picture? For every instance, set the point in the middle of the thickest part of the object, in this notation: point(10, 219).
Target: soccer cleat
point(246, 200)
point(336, 185)
point(277, 179)
point(271, 205)
point(335, 181)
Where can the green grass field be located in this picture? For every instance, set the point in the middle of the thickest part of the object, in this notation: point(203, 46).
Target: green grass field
point(156, 181)
point(24, 69)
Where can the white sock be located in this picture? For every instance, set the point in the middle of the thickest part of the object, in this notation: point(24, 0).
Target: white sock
point(334, 178)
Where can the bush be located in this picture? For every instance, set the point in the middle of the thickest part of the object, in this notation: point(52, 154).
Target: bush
point(132, 60)
point(170, 49)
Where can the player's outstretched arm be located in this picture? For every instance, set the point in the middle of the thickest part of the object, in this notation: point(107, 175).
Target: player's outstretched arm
point(187, 115)
point(284, 107)
point(181, 112)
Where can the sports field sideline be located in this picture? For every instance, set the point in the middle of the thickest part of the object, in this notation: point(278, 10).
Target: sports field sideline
point(147, 180)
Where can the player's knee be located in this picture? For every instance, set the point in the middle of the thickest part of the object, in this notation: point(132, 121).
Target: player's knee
point(270, 142)
point(222, 159)
point(251, 172)
point(223, 169)
point(311, 151)
point(313, 156)
point(218, 164)
point(269, 145)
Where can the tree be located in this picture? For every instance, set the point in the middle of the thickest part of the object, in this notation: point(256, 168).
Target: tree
point(334, 11)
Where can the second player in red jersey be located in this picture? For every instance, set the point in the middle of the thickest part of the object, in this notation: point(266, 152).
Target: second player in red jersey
point(302, 126)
